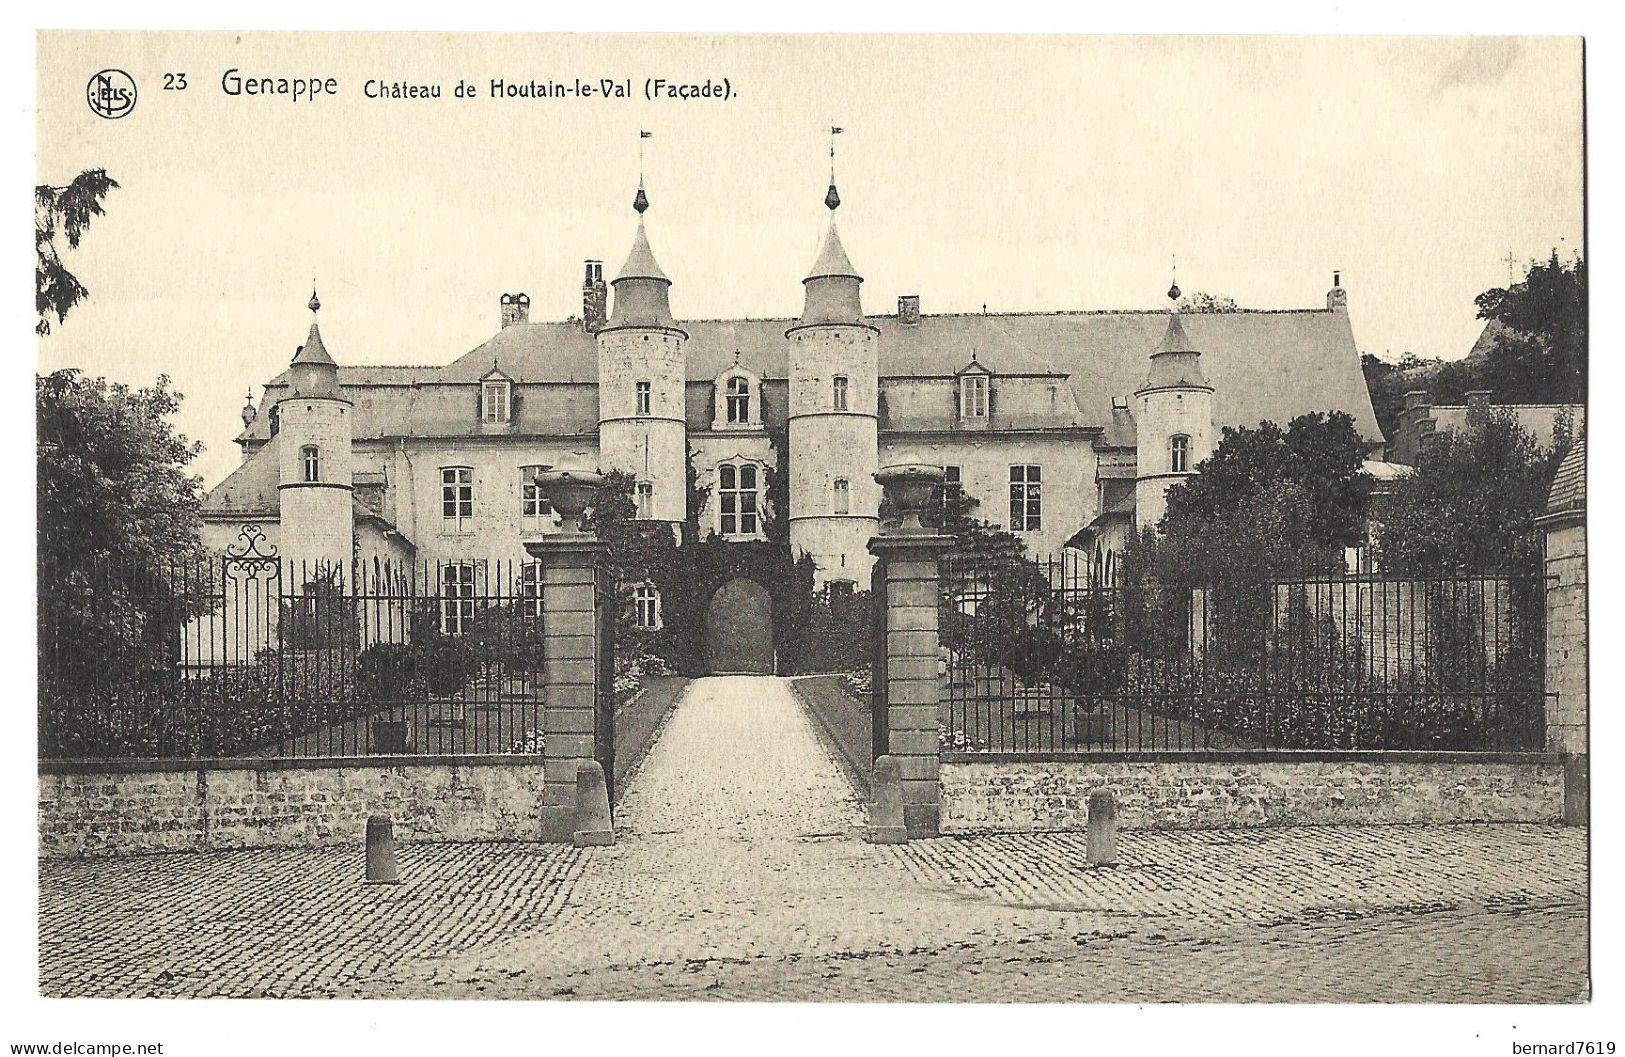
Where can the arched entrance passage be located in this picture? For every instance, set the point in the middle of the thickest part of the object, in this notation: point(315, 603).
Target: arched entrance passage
point(739, 629)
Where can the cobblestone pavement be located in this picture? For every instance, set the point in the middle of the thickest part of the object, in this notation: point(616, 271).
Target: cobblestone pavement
point(738, 875)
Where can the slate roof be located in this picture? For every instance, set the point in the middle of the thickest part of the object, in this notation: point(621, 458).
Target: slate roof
point(1263, 365)
point(1568, 492)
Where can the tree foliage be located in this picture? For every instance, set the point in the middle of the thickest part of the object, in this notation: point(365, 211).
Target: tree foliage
point(68, 211)
point(1269, 498)
point(118, 520)
point(1471, 502)
point(1537, 353)
point(1202, 301)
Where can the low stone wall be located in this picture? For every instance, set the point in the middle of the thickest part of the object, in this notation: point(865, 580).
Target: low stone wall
point(124, 808)
point(1033, 792)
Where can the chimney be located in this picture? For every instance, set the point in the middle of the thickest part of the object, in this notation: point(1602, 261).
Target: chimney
point(1478, 407)
point(515, 309)
point(594, 298)
point(1416, 398)
point(1337, 298)
point(908, 309)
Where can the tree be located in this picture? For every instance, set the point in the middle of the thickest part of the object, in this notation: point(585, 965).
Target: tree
point(1270, 498)
point(1388, 382)
point(1539, 354)
point(68, 210)
point(1471, 502)
point(118, 521)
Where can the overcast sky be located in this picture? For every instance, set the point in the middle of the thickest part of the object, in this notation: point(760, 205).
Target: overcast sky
point(1028, 174)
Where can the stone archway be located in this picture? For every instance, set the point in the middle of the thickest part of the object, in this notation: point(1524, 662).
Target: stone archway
point(739, 629)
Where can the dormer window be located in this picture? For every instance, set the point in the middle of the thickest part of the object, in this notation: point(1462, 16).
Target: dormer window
point(838, 388)
point(645, 395)
point(311, 458)
point(494, 400)
point(973, 396)
point(738, 400)
point(1179, 453)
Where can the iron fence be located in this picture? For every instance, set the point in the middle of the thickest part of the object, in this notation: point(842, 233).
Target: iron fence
point(252, 655)
point(1045, 655)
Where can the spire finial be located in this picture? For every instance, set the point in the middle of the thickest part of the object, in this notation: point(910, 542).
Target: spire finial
point(833, 199)
point(1173, 289)
point(315, 304)
point(640, 201)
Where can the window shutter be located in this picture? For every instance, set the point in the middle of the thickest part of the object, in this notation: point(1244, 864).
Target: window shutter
point(992, 397)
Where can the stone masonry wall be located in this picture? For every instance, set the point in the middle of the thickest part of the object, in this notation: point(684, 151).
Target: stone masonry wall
point(1174, 793)
point(231, 804)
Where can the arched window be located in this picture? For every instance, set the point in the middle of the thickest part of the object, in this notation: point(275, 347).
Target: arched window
point(646, 607)
point(645, 395)
point(738, 399)
point(311, 459)
point(838, 392)
point(1100, 565)
point(737, 499)
point(1179, 453)
point(1111, 568)
point(843, 496)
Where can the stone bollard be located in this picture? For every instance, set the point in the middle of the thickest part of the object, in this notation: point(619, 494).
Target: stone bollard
point(886, 806)
point(381, 868)
point(594, 829)
point(1102, 829)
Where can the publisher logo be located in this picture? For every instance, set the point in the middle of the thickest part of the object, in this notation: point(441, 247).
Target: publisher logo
point(111, 94)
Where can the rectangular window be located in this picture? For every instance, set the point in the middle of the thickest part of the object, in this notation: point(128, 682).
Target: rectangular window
point(645, 391)
point(1179, 453)
point(530, 590)
point(496, 401)
point(952, 489)
point(839, 392)
point(736, 493)
point(456, 597)
point(646, 607)
point(973, 396)
point(313, 463)
point(646, 499)
point(1026, 499)
point(532, 503)
point(843, 497)
point(456, 498)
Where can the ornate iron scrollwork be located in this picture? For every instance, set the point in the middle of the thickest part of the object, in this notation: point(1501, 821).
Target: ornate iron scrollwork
point(253, 556)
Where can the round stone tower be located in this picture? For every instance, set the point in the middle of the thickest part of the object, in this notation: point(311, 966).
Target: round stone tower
point(833, 420)
point(314, 431)
point(1173, 419)
point(641, 376)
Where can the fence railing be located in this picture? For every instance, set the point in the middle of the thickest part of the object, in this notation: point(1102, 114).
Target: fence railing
point(251, 655)
point(1045, 656)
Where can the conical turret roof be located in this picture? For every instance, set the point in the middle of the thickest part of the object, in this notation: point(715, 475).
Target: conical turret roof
point(1175, 361)
point(1174, 339)
point(641, 263)
point(313, 351)
point(832, 259)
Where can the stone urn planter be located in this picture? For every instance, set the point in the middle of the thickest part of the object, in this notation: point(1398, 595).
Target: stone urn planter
point(571, 493)
point(909, 489)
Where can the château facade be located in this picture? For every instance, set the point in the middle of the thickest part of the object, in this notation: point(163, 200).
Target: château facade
point(1067, 427)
